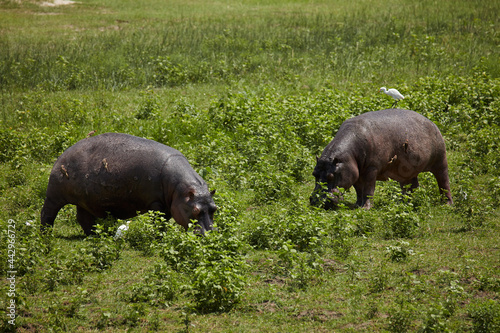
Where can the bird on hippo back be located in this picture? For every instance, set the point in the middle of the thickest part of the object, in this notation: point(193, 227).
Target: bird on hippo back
point(394, 94)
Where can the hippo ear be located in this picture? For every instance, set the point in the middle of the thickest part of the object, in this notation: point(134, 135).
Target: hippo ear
point(190, 195)
point(212, 193)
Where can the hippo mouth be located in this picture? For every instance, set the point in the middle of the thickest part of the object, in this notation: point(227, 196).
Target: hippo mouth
point(199, 227)
point(328, 198)
point(333, 197)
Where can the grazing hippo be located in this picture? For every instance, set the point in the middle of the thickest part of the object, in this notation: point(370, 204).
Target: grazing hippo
point(123, 175)
point(397, 144)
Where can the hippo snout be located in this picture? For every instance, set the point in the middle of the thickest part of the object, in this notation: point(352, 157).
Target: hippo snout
point(326, 198)
point(200, 230)
point(203, 225)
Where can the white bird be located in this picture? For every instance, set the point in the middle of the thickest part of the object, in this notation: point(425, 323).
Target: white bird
point(393, 93)
point(120, 232)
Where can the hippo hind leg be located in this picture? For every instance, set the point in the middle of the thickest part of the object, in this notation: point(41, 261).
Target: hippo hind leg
point(159, 207)
point(49, 212)
point(444, 184)
point(85, 219)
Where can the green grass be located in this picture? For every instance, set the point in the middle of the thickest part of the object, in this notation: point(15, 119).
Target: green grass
point(250, 92)
point(323, 43)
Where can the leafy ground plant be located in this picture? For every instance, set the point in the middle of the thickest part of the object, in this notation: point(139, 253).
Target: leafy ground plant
point(399, 252)
point(301, 268)
point(160, 287)
point(485, 316)
point(212, 264)
point(145, 231)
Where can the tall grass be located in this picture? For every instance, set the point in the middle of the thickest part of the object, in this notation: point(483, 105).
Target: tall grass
point(324, 42)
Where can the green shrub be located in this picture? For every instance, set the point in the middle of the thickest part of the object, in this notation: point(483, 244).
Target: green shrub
point(400, 320)
point(494, 189)
point(133, 314)
point(484, 152)
point(301, 268)
point(145, 231)
point(168, 73)
point(181, 250)
point(149, 107)
point(61, 270)
point(485, 316)
point(294, 222)
point(436, 318)
point(488, 282)
point(271, 186)
point(340, 233)
point(472, 208)
point(228, 214)
point(102, 249)
point(30, 246)
point(400, 221)
point(213, 265)
point(379, 280)
point(159, 287)
point(217, 286)
point(399, 252)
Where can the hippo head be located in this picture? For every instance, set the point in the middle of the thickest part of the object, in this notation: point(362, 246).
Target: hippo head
point(193, 204)
point(330, 175)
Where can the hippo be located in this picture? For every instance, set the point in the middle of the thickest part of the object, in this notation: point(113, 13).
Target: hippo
point(378, 145)
point(124, 175)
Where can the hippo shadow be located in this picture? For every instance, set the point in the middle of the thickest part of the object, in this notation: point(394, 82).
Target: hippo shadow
point(73, 237)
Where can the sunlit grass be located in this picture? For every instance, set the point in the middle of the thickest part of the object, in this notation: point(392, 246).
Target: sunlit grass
point(324, 42)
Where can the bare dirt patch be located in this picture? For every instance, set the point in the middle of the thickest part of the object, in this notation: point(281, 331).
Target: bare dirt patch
point(57, 3)
point(318, 315)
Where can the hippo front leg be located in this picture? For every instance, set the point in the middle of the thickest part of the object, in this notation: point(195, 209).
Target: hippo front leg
point(160, 207)
point(365, 188)
point(367, 195)
point(85, 219)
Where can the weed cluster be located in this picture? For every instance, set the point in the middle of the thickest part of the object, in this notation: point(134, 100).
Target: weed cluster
point(159, 287)
point(485, 316)
point(209, 269)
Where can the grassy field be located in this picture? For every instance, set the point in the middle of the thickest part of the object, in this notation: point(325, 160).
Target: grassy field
point(250, 92)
